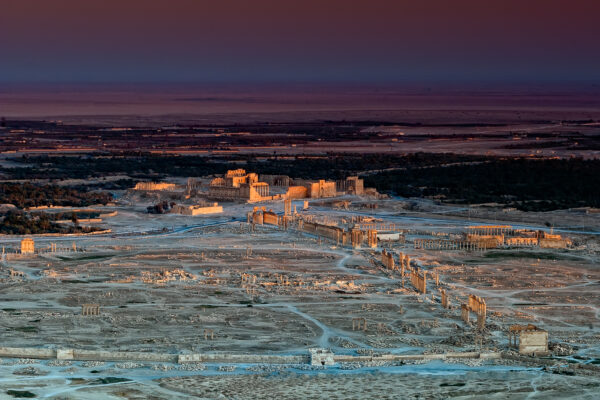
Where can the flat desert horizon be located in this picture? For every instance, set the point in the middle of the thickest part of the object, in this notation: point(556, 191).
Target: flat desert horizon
point(110, 104)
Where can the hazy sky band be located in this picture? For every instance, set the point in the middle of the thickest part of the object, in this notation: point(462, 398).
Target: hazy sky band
point(284, 40)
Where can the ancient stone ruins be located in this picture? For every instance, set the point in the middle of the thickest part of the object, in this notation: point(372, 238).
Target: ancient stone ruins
point(342, 283)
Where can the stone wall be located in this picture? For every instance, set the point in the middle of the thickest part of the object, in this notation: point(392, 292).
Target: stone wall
point(331, 232)
point(320, 189)
point(98, 355)
point(552, 243)
point(533, 342)
point(296, 192)
point(486, 241)
point(197, 209)
point(154, 186)
point(270, 218)
point(241, 358)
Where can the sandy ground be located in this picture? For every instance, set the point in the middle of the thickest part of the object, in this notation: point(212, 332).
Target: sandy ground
point(435, 380)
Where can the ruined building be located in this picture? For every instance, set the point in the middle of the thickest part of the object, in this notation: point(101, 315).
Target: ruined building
point(320, 189)
point(197, 209)
point(351, 185)
point(316, 189)
point(529, 339)
point(27, 246)
point(548, 240)
point(237, 185)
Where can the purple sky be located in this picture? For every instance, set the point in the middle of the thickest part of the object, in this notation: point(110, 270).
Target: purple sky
point(296, 41)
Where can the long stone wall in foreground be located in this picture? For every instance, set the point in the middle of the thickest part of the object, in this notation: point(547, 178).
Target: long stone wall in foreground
point(96, 355)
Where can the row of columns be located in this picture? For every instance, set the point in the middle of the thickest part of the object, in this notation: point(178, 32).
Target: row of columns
point(90, 309)
point(477, 305)
point(418, 281)
point(491, 229)
point(437, 244)
point(372, 238)
point(384, 226)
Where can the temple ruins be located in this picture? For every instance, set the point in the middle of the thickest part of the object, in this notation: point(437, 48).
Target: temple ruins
point(268, 277)
point(318, 188)
point(27, 246)
point(237, 185)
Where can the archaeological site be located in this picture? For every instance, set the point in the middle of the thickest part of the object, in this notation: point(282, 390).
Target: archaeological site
point(328, 200)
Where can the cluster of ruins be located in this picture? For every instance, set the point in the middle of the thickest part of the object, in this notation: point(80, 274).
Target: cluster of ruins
point(165, 275)
point(27, 248)
point(348, 234)
point(239, 185)
point(318, 188)
point(387, 259)
point(418, 279)
point(363, 232)
point(351, 232)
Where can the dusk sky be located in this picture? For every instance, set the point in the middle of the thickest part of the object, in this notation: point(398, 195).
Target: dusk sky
point(296, 41)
